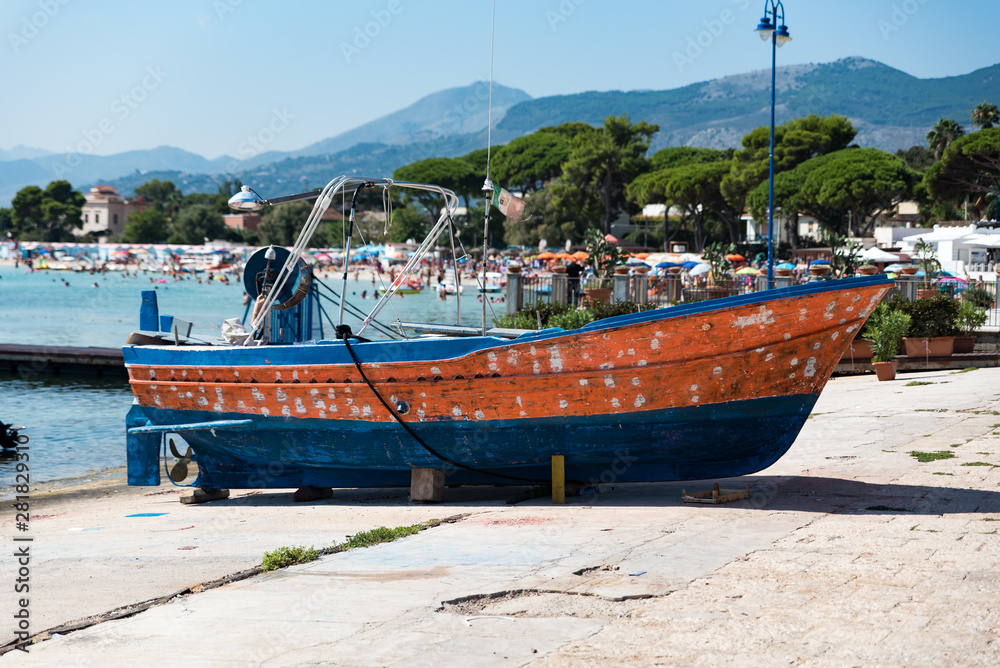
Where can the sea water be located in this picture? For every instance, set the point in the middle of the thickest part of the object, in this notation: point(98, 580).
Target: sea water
point(77, 423)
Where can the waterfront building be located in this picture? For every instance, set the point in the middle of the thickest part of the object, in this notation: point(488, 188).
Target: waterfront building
point(105, 211)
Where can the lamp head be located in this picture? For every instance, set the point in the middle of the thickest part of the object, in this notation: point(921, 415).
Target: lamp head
point(270, 254)
point(765, 28)
point(782, 36)
point(246, 200)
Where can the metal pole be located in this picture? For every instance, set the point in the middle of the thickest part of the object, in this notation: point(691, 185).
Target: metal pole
point(347, 250)
point(770, 188)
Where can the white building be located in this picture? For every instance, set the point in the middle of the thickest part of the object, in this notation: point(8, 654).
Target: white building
point(105, 210)
point(960, 249)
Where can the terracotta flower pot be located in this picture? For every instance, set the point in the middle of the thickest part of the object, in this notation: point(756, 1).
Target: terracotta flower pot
point(926, 293)
point(867, 271)
point(965, 344)
point(885, 370)
point(939, 346)
point(819, 269)
point(642, 270)
point(909, 271)
point(782, 272)
point(621, 271)
point(859, 350)
point(559, 270)
point(674, 270)
point(513, 269)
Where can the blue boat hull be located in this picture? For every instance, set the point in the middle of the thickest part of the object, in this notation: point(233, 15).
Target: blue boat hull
point(676, 444)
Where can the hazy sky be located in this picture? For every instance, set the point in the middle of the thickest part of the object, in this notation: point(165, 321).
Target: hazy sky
point(203, 75)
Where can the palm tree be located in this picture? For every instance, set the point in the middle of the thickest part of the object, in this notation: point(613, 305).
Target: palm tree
point(985, 115)
point(942, 135)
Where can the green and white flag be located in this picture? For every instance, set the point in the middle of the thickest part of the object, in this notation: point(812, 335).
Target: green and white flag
point(510, 206)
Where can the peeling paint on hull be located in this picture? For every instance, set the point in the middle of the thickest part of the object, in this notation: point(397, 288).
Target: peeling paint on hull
point(705, 390)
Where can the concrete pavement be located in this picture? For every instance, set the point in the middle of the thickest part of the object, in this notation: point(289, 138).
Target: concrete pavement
point(849, 552)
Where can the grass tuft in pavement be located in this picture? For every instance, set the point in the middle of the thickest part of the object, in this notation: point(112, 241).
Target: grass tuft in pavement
point(924, 457)
point(288, 556)
point(380, 535)
point(978, 464)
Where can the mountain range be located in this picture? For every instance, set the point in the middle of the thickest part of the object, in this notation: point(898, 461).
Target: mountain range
point(891, 109)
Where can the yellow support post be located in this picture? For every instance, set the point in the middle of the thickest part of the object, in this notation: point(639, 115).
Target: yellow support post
point(558, 479)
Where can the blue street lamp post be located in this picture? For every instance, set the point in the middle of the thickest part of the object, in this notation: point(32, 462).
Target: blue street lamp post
point(777, 32)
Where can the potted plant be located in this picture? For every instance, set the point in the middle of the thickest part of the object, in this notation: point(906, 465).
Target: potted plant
point(969, 319)
point(606, 256)
point(932, 326)
point(884, 329)
point(715, 255)
point(868, 269)
point(929, 263)
point(844, 254)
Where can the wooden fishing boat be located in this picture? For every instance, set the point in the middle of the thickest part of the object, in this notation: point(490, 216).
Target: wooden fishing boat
point(705, 390)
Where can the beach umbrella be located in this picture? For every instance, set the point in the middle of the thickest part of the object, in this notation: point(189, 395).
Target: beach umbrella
point(875, 254)
point(700, 269)
point(815, 262)
point(632, 261)
point(893, 268)
point(581, 255)
point(664, 265)
point(953, 279)
point(735, 257)
point(690, 264)
point(785, 265)
point(564, 256)
point(746, 270)
point(547, 255)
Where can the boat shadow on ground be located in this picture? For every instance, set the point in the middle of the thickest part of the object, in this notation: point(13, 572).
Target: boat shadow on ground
point(814, 494)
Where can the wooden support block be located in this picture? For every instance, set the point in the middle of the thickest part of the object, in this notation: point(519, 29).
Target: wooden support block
point(201, 495)
point(558, 479)
point(427, 485)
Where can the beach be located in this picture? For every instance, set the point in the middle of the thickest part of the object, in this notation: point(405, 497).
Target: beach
point(849, 551)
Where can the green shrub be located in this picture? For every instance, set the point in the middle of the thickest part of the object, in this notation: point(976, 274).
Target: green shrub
point(567, 317)
point(931, 317)
point(981, 297)
point(573, 319)
point(970, 318)
point(530, 318)
point(884, 330)
point(602, 310)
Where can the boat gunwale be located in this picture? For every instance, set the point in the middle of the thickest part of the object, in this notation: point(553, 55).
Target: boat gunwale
point(476, 344)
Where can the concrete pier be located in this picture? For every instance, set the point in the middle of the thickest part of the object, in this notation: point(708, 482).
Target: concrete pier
point(850, 551)
point(58, 360)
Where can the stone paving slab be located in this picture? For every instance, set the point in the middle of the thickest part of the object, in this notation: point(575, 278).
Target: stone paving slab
point(849, 552)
